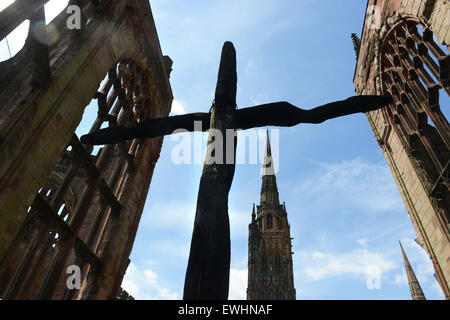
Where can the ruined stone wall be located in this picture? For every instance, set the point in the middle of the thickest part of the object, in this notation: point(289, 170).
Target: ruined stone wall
point(400, 56)
point(38, 119)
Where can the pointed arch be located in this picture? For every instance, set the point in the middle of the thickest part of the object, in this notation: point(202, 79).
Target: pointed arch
point(100, 184)
point(269, 221)
point(279, 223)
point(264, 262)
point(277, 262)
point(271, 295)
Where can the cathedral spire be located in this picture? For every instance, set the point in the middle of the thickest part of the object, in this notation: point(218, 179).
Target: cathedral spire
point(268, 169)
point(269, 189)
point(414, 286)
point(270, 268)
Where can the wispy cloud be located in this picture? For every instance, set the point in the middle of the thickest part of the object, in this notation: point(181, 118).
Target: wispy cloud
point(315, 269)
point(355, 183)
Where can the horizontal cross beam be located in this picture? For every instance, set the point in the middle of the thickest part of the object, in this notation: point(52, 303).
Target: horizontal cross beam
point(282, 114)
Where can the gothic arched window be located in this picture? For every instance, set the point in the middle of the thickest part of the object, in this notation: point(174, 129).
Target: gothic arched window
point(277, 262)
point(264, 263)
point(414, 71)
point(269, 221)
point(279, 224)
point(272, 295)
point(83, 188)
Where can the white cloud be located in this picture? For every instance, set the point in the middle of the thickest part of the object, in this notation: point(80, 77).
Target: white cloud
point(363, 242)
point(150, 276)
point(318, 255)
point(355, 263)
point(130, 287)
point(144, 285)
point(165, 294)
point(178, 107)
point(238, 284)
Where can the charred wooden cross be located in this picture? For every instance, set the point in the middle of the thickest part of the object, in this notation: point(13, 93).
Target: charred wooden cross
point(207, 275)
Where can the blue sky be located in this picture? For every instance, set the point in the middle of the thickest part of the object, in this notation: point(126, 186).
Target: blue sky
point(344, 209)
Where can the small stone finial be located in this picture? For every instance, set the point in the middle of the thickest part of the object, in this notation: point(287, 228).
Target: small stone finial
point(253, 213)
point(268, 167)
point(356, 44)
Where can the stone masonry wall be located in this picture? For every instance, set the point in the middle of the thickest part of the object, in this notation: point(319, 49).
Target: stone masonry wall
point(433, 236)
point(37, 123)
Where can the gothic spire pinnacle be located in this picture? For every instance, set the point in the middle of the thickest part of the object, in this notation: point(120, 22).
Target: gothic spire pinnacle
point(269, 189)
point(268, 169)
point(267, 264)
point(414, 286)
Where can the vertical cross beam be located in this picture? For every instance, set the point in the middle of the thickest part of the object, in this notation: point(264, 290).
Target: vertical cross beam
point(207, 275)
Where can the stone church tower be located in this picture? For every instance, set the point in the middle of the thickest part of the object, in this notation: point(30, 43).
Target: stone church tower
point(404, 53)
point(63, 205)
point(270, 273)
